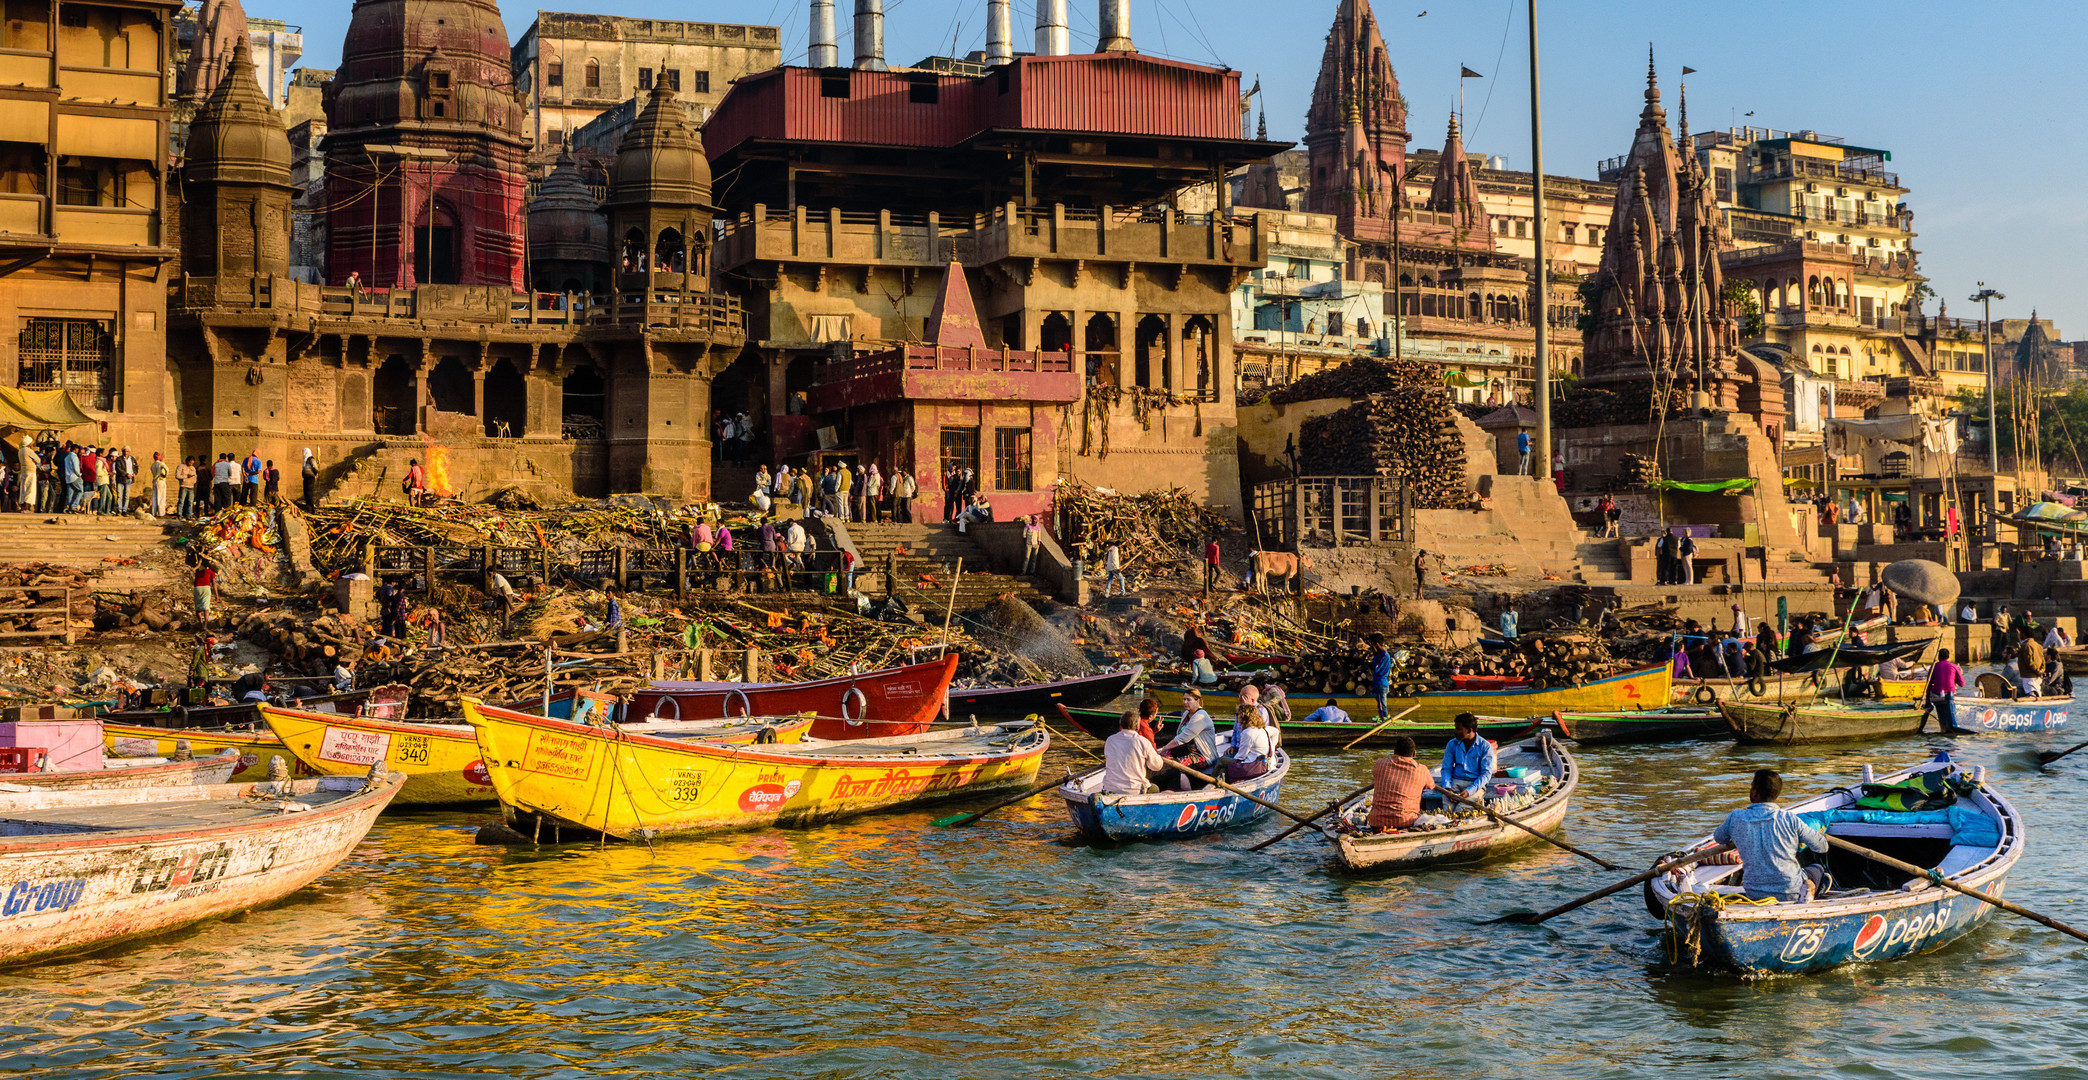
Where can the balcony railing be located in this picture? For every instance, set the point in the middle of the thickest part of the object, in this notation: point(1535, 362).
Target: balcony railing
point(717, 313)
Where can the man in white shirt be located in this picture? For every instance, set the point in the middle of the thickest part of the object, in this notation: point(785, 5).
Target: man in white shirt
point(1195, 742)
point(1740, 627)
point(1128, 760)
point(1330, 713)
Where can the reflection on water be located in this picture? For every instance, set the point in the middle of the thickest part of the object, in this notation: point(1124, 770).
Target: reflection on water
point(891, 949)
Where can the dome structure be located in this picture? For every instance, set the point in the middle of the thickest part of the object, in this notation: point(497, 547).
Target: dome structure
point(568, 233)
point(428, 60)
point(661, 161)
point(235, 182)
point(237, 135)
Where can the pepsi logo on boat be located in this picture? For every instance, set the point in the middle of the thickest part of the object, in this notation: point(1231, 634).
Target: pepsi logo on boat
point(1867, 938)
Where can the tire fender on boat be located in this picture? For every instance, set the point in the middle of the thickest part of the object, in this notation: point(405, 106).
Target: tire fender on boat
point(1704, 695)
point(862, 708)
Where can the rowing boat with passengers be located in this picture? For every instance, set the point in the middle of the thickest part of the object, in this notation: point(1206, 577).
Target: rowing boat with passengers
point(1299, 734)
point(1644, 688)
point(1170, 815)
point(1533, 785)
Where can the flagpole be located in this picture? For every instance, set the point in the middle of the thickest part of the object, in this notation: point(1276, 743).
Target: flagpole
point(1542, 307)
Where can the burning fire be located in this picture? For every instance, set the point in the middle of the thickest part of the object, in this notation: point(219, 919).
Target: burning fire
point(438, 471)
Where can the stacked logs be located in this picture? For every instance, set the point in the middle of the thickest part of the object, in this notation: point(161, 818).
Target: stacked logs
point(141, 613)
point(1362, 377)
point(1638, 471)
point(1568, 659)
point(1408, 433)
point(309, 644)
point(43, 610)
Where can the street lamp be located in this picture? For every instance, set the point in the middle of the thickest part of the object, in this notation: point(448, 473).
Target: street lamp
point(1985, 298)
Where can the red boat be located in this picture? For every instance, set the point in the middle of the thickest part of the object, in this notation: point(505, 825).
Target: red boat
point(872, 705)
point(1488, 682)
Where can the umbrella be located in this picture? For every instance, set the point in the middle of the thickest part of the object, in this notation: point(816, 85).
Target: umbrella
point(1922, 581)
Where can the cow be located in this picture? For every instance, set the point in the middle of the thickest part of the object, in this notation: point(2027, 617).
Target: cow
point(1263, 565)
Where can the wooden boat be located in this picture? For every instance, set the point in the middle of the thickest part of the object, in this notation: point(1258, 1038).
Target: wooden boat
point(2073, 658)
point(1169, 815)
point(441, 761)
point(607, 780)
point(1781, 688)
point(254, 747)
point(1647, 688)
point(1872, 912)
point(1821, 721)
point(1977, 714)
point(1239, 659)
point(81, 869)
point(1470, 835)
point(245, 714)
point(199, 772)
point(874, 704)
point(1102, 723)
point(1642, 725)
point(1084, 692)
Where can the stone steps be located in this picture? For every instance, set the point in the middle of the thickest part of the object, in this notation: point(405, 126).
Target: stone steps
point(76, 539)
point(932, 550)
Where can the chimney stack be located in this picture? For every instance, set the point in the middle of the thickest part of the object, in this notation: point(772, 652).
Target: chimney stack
point(1053, 39)
point(1115, 20)
point(825, 51)
point(1000, 32)
point(869, 35)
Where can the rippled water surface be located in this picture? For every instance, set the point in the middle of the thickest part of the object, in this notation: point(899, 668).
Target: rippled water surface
point(885, 948)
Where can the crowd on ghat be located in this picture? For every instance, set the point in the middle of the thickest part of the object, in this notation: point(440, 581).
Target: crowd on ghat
point(53, 477)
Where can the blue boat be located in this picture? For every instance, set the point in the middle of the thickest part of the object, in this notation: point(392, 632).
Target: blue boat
point(1980, 715)
point(1870, 912)
point(1169, 815)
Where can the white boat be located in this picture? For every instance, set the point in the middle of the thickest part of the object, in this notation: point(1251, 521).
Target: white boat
point(82, 869)
point(1545, 775)
point(133, 773)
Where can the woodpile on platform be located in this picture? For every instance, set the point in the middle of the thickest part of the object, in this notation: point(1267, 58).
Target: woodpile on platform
point(1408, 433)
point(1363, 377)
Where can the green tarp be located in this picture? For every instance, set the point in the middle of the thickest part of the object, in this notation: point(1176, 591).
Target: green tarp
point(1707, 486)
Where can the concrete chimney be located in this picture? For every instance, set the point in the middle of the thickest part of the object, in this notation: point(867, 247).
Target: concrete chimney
point(1000, 32)
point(1053, 39)
point(1115, 20)
point(825, 51)
point(869, 35)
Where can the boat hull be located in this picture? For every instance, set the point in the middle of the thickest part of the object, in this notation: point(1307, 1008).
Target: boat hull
point(1644, 689)
point(1080, 693)
point(1296, 735)
point(1478, 838)
point(1170, 815)
point(1651, 725)
point(203, 771)
point(873, 705)
point(1988, 715)
point(255, 747)
point(1818, 723)
point(632, 786)
point(71, 892)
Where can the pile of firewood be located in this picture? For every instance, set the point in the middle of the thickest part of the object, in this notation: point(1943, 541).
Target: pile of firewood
point(1408, 433)
point(308, 643)
point(1159, 532)
point(1568, 659)
point(499, 674)
point(1363, 377)
point(1637, 471)
point(146, 613)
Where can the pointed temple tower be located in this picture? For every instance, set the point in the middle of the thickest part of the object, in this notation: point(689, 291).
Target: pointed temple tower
point(1456, 191)
point(1355, 132)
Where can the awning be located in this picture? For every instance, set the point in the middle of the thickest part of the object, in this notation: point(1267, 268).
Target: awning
point(1832, 656)
point(39, 410)
point(1707, 486)
point(1462, 381)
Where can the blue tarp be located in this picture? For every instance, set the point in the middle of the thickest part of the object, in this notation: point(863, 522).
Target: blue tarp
point(1968, 827)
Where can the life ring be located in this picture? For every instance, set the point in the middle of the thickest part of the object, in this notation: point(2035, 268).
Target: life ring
point(1757, 686)
point(739, 695)
point(660, 711)
point(1704, 695)
point(854, 693)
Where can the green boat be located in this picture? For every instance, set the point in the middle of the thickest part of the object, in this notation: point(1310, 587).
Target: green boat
point(1102, 723)
point(1642, 725)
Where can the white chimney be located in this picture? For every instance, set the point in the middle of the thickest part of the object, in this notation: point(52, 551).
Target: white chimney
point(869, 35)
point(1053, 39)
point(825, 51)
point(1115, 33)
point(1000, 32)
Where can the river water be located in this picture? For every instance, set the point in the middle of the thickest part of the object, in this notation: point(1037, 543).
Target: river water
point(885, 948)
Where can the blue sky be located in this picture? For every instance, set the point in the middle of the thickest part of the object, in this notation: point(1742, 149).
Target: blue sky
point(1978, 103)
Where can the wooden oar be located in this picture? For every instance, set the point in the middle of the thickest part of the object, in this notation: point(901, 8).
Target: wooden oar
point(1382, 726)
point(1217, 783)
point(1527, 919)
point(958, 820)
point(1482, 808)
point(2049, 756)
point(1910, 868)
point(1331, 807)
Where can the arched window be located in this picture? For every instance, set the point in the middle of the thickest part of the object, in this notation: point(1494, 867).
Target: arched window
point(633, 258)
point(669, 255)
point(594, 74)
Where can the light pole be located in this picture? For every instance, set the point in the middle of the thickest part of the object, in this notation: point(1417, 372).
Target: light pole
point(1985, 298)
point(1541, 309)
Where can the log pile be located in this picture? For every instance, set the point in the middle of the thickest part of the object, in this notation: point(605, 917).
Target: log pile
point(1638, 471)
point(1568, 659)
point(1408, 433)
point(309, 643)
point(141, 613)
point(1363, 377)
point(1157, 533)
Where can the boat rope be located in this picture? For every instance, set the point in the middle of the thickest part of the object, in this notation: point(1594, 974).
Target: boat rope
point(1686, 914)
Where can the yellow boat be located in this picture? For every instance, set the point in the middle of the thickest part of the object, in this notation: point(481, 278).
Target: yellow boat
point(441, 761)
point(634, 786)
point(1648, 688)
point(255, 747)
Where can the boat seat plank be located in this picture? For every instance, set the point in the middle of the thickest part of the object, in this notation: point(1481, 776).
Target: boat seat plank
point(1921, 831)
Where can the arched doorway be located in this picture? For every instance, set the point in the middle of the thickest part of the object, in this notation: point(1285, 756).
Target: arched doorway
point(633, 256)
point(435, 247)
point(584, 415)
point(1150, 353)
point(1100, 343)
point(507, 401)
point(1056, 333)
point(450, 387)
point(670, 254)
point(1198, 348)
point(392, 405)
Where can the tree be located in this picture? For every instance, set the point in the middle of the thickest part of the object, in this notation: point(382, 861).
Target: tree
point(1741, 297)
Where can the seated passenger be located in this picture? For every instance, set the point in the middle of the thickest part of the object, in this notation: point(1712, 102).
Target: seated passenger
point(1768, 838)
point(1330, 713)
point(1253, 742)
point(1128, 759)
point(1148, 719)
point(1195, 743)
point(1201, 671)
point(1395, 800)
point(1468, 760)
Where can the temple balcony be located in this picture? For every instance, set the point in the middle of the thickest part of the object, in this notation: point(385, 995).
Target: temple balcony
point(942, 373)
point(241, 296)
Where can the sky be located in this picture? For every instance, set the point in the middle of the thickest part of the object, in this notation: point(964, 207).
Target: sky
point(1979, 105)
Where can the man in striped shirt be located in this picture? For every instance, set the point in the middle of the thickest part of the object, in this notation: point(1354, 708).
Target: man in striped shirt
point(1399, 781)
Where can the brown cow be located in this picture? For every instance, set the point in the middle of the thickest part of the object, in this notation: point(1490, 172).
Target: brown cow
point(1282, 564)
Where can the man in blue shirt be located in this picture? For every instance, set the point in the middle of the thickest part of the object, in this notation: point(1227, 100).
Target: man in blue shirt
point(1330, 713)
point(1510, 622)
point(1468, 760)
point(1769, 838)
point(1381, 674)
point(1522, 448)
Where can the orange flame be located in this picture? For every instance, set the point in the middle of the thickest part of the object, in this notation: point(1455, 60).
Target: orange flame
point(438, 470)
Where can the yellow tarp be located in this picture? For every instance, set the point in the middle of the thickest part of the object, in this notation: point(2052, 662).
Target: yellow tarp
point(39, 410)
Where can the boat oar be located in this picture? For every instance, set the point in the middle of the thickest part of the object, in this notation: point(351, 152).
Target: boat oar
point(1910, 868)
point(1381, 726)
point(1484, 809)
point(1217, 783)
point(2049, 756)
point(1331, 807)
point(1526, 919)
point(959, 820)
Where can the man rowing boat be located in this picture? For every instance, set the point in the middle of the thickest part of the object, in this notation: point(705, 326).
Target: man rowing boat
point(1769, 838)
point(1398, 784)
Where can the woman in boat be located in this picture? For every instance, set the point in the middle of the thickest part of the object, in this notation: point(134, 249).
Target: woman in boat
point(1769, 839)
point(1195, 742)
point(1148, 712)
point(1253, 742)
point(1251, 704)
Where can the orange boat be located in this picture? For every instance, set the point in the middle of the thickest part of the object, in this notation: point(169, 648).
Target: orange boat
point(872, 705)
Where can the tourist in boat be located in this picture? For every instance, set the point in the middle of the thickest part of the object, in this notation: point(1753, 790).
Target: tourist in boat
point(1201, 670)
point(2057, 638)
point(1769, 838)
point(1128, 759)
point(1330, 713)
point(2030, 668)
point(1195, 742)
point(1251, 705)
point(1276, 702)
point(1468, 760)
point(1398, 782)
point(1148, 712)
point(1253, 741)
